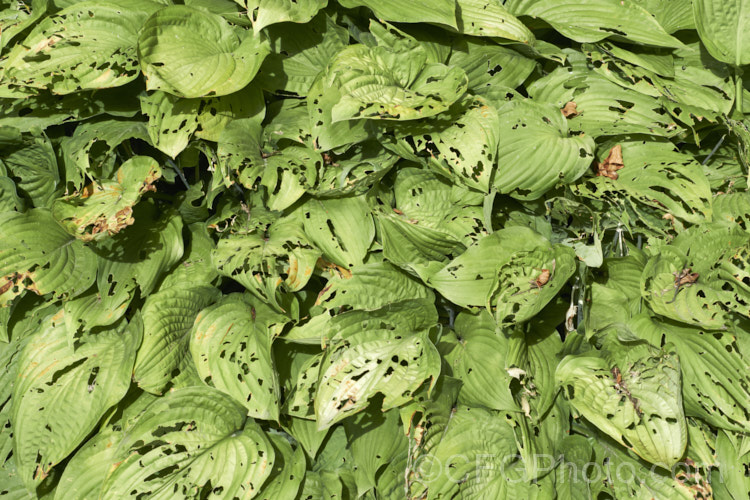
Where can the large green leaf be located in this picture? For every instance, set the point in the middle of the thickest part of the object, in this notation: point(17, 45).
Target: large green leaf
point(342, 228)
point(269, 12)
point(536, 151)
point(367, 356)
point(634, 396)
point(231, 348)
point(89, 45)
point(61, 392)
point(37, 254)
point(192, 53)
point(258, 261)
point(722, 26)
point(469, 278)
point(714, 371)
point(168, 317)
point(419, 11)
point(490, 18)
point(594, 20)
point(186, 440)
point(102, 210)
point(392, 80)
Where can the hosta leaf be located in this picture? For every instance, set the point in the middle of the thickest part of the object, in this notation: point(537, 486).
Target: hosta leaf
point(104, 209)
point(90, 310)
point(186, 440)
point(371, 286)
point(468, 279)
point(326, 132)
point(215, 113)
point(289, 174)
point(61, 393)
point(393, 360)
point(594, 20)
point(34, 169)
point(171, 121)
point(490, 18)
point(634, 398)
point(488, 65)
point(232, 352)
point(536, 151)
point(419, 11)
point(476, 452)
point(140, 255)
point(168, 316)
point(86, 46)
point(478, 358)
point(192, 53)
point(342, 228)
point(288, 470)
point(462, 142)
point(37, 254)
point(16, 18)
point(722, 26)
point(393, 80)
point(258, 261)
point(603, 107)
point(279, 11)
point(714, 371)
point(518, 294)
point(375, 438)
point(90, 151)
point(673, 15)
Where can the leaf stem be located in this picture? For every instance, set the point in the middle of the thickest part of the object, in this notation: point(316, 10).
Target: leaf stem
point(739, 89)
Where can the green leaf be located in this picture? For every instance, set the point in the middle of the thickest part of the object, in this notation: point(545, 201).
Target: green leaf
point(490, 18)
point(722, 26)
point(37, 254)
point(171, 121)
point(392, 80)
point(168, 317)
point(192, 53)
point(257, 261)
point(104, 209)
point(595, 20)
point(478, 357)
point(86, 46)
point(269, 12)
point(713, 366)
point(634, 397)
point(61, 392)
point(152, 246)
point(517, 294)
point(419, 11)
point(365, 358)
point(469, 278)
point(342, 228)
point(489, 65)
point(289, 174)
point(370, 287)
point(462, 142)
point(185, 440)
point(231, 348)
point(298, 57)
point(531, 135)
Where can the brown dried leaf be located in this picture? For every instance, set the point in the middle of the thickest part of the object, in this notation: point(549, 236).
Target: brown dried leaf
point(613, 163)
point(569, 110)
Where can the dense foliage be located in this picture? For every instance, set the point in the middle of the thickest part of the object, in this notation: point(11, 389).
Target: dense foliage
point(374, 249)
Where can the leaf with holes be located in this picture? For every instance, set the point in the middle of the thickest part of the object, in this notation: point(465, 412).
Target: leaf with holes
point(85, 46)
point(62, 392)
point(105, 209)
point(37, 254)
point(231, 348)
point(192, 53)
point(186, 440)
